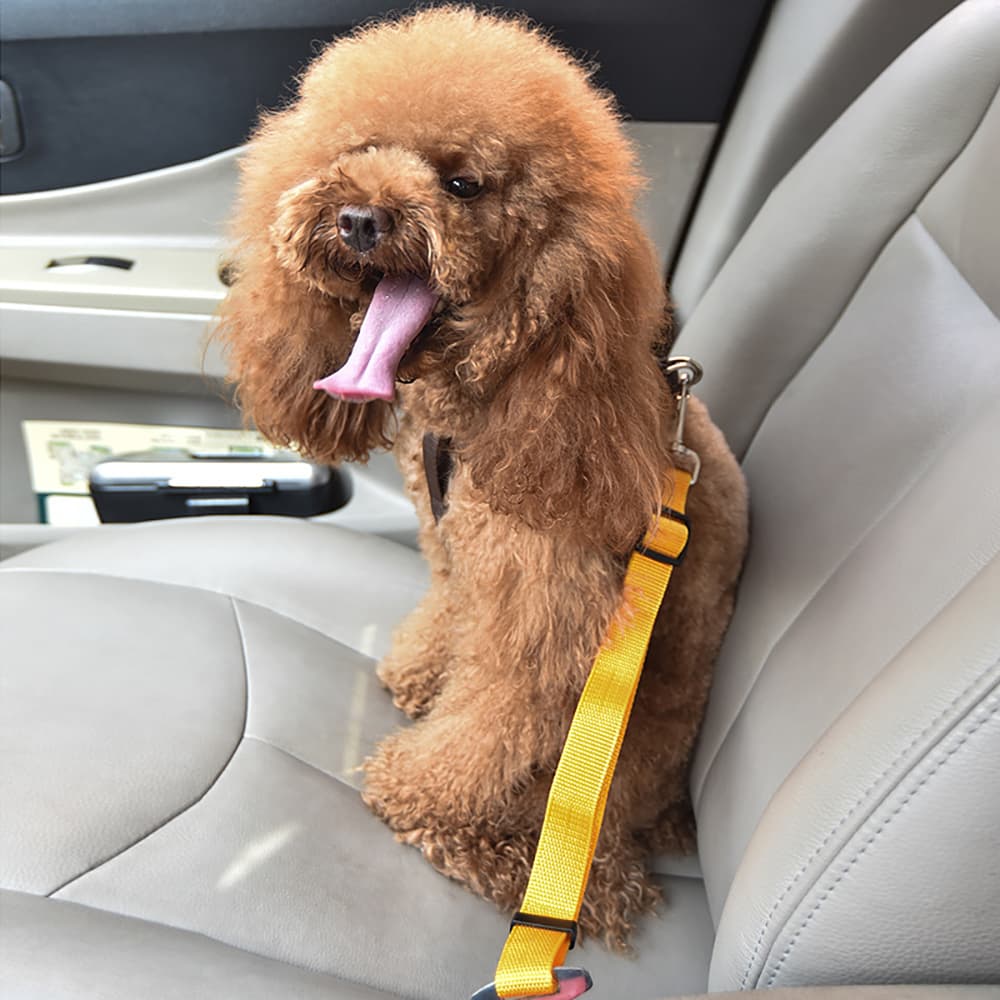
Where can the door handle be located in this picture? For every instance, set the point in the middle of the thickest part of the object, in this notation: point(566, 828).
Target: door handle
point(122, 263)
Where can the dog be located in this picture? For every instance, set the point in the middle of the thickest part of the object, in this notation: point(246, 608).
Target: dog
point(441, 233)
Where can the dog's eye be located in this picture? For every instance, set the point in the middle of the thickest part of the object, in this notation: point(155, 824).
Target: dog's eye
point(463, 187)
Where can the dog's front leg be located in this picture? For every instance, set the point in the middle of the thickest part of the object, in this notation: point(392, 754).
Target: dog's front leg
point(415, 668)
point(460, 763)
point(532, 620)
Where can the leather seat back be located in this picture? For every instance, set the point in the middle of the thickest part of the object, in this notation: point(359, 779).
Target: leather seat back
point(847, 782)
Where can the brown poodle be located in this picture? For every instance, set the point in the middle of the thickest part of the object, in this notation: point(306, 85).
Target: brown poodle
point(445, 219)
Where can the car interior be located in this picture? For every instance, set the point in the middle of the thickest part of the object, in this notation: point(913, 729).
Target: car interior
point(188, 697)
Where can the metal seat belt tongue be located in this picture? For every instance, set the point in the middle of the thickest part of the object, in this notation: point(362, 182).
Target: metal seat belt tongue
point(570, 983)
point(544, 929)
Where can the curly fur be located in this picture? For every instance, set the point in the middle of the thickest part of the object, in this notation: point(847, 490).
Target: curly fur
point(543, 372)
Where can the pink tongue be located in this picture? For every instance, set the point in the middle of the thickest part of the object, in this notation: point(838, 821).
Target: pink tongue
point(399, 309)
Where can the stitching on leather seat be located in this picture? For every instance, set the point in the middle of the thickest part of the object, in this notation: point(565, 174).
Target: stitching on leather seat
point(962, 741)
point(961, 696)
point(180, 812)
point(892, 506)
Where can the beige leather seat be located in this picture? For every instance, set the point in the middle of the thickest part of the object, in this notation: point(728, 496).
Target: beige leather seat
point(185, 703)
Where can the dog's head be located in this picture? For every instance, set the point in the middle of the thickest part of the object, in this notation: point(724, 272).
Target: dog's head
point(450, 202)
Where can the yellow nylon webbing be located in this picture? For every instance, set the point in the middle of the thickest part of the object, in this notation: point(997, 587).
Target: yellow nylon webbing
point(580, 787)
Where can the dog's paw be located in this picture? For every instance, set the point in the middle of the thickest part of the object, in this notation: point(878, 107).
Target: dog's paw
point(401, 790)
point(492, 862)
point(620, 891)
point(382, 793)
point(415, 695)
point(414, 687)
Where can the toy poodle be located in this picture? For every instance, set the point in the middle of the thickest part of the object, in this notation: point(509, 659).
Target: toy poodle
point(445, 220)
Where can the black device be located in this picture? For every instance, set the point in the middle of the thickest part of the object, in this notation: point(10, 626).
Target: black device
point(176, 482)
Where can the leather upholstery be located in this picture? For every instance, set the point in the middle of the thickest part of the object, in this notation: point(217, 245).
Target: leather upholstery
point(208, 735)
point(185, 703)
point(55, 949)
point(109, 744)
point(872, 993)
point(319, 575)
point(813, 60)
point(826, 223)
point(847, 774)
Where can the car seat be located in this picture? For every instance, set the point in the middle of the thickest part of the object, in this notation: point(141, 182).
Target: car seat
point(186, 703)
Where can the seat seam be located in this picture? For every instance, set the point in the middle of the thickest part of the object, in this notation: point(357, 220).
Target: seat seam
point(188, 586)
point(802, 365)
point(976, 681)
point(954, 263)
point(208, 788)
point(308, 763)
point(961, 742)
point(872, 262)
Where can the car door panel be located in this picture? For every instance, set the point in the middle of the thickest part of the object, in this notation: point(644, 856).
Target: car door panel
point(132, 116)
point(111, 89)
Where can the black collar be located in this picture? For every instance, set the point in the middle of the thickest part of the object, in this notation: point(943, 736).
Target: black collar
point(438, 466)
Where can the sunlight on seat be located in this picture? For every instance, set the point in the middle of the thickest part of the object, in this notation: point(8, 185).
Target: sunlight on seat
point(256, 853)
point(351, 760)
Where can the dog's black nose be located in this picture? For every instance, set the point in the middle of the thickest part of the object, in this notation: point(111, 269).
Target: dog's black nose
point(362, 226)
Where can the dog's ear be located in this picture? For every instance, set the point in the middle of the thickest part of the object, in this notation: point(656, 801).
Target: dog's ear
point(575, 436)
point(280, 337)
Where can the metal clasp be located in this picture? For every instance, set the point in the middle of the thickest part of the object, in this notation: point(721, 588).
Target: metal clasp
point(572, 983)
point(683, 373)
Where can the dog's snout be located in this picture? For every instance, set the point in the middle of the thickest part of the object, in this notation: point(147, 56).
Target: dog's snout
point(362, 226)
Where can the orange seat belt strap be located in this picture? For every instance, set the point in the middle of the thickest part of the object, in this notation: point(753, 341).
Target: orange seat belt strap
point(538, 942)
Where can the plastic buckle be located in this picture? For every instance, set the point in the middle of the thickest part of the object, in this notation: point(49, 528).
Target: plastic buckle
point(572, 983)
point(567, 927)
point(662, 557)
